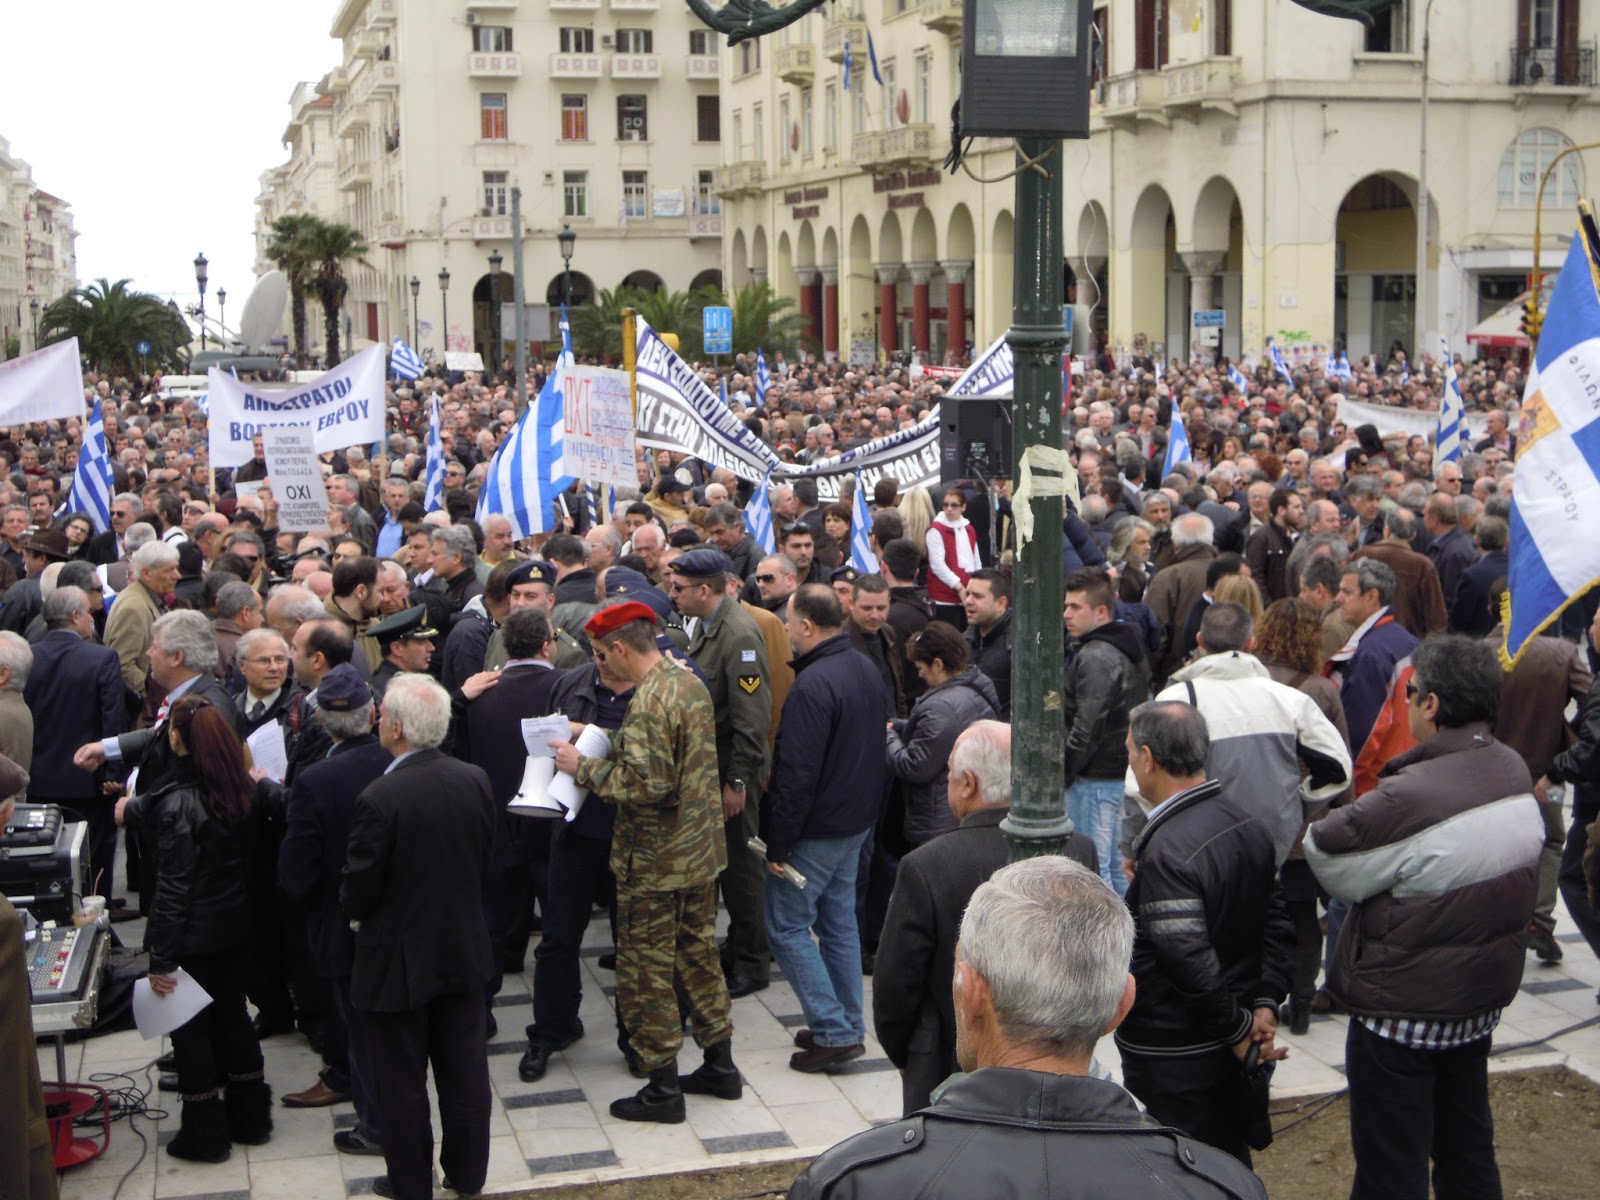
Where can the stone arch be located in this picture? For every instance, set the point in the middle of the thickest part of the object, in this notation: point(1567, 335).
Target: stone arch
point(1152, 233)
point(858, 290)
point(739, 258)
point(924, 238)
point(830, 247)
point(711, 277)
point(782, 276)
point(758, 254)
point(1213, 215)
point(1375, 273)
point(805, 250)
point(582, 289)
point(1002, 241)
point(890, 243)
point(958, 239)
point(645, 280)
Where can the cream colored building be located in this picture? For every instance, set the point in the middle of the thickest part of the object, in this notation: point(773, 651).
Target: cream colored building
point(603, 112)
point(1254, 158)
point(38, 256)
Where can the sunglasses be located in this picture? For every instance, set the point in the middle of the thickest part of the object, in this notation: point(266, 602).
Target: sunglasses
point(796, 527)
point(765, 578)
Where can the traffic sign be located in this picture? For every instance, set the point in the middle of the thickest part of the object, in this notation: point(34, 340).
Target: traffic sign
point(718, 330)
point(1209, 318)
point(143, 349)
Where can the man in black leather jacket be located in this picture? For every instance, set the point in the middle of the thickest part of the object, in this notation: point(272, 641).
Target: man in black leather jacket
point(1029, 1119)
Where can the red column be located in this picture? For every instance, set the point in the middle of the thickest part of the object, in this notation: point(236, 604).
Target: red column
point(830, 312)
point(809, 306)
point(888, 307)
point(955, 274)
point(921, 337)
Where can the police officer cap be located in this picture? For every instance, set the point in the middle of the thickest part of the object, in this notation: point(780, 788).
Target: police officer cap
point(535, 570)
point(343, 690)
point(844, 575)
point(621, 581)
point(408, 623)
point(609, 620)
point(704, 563)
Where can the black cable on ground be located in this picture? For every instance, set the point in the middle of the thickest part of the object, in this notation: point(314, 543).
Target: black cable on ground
point(124, 1104)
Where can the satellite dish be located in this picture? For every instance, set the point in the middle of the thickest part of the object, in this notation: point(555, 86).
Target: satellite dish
point(263, 310)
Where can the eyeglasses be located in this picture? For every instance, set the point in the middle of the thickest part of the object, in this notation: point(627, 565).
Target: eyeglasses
point(796, 527)
point(273, 660)
point(954, 504)
point(765, 578)
point(1412, 690)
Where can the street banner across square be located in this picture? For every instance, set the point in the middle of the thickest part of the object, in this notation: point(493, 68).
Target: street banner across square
point(343, 407)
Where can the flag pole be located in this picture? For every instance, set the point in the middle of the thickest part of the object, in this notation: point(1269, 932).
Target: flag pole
point(519, 318)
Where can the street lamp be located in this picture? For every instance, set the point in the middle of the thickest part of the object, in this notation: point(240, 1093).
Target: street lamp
point(444, 304)
point(33, 307)
point(567, 239)
point(494, 313)
point(222, 315)
point(416, 324)
point(200, 279)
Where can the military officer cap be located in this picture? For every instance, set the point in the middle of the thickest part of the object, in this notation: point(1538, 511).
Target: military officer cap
point(535, 570)
point(343, 690)
point(620, 581)
point(844, 575)
point(609, 620)
point(704, 563)
point(408, 623)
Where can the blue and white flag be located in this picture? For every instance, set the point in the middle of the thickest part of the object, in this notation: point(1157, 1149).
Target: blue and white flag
point(1278, 365)
point(849, 65)
point(872, 57)
point(1341, 366)
point(991, 375)
point(1177, 445)
point(1447, 442)
point(595, 500)
point(521, 483)
point(758, 516)
point(1555, 557)
point(92, 483)
point(1237, 378)
point(763, 377)
point(433, 479)
point(403, 361)
point(861, 556)
point(723, 386)
point(1160, 371)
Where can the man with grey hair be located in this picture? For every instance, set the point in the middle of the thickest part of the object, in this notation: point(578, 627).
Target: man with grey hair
point(290, 606)
point(1215, 951)
point(1419, 602)
point(916, 953)
point(605, 546)
point(108, 547)
point(1178, 587)
point(455, 567)
point(16, 719)
point(418, 858)
point(131, 622)
point(238, 612)
point(1041, 974)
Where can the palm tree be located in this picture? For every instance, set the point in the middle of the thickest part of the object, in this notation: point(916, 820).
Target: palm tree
point(287, 250)
point(110, 320)
point(762, 320)
point(676, 312)
point(329, 243)
point(597, 327)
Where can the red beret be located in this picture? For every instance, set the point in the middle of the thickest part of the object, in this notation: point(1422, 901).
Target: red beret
point(609, 620)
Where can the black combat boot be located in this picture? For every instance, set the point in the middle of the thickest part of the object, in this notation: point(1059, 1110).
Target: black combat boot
point(717, 1076)
point(248, 1100)
point(660, 1100)
point(203, 1130)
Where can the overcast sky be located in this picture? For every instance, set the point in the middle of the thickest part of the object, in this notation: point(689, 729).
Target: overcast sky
point(155, 121)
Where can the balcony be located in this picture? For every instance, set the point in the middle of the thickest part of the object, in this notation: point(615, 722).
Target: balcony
point(356, 174)
point(636, 66)
point(350, 118)
point(576, 66)
point(1134, 97)
point(484, 64)
point(635, 5)
point(703, 66)
point(374, 79)
point(1551, 66)
point(496, 5)
point(338, 81)
point(943, 15)
point(849, 29)
point(365, 45)
point(908, 146)
point(740, 179)
point(797, 64)
point(574, 5)
point(1196, 87)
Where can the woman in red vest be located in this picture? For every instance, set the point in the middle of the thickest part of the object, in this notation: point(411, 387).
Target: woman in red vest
point(952, 557)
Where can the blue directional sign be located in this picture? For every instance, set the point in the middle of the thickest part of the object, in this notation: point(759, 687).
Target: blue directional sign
point(718, 330)
point(143, 349)
point(1210, 318)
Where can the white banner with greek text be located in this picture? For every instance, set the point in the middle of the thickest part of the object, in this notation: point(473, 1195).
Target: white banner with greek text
point(597, 439)
point(343, 407)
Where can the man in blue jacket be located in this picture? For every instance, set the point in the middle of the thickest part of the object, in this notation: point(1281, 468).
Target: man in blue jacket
point(827, 777)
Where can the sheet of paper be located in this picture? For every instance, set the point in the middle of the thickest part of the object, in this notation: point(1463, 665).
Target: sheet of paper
point(156, 1016)
point(539, 732)
point(533, 798)
point(593, 742)
point(268, 751)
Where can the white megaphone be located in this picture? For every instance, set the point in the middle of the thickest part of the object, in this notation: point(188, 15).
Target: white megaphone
point(534, 798)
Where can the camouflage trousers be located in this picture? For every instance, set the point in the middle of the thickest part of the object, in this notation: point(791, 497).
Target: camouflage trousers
point(666, 942)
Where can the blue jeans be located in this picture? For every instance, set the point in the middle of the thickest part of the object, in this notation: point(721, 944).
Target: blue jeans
point(825, 974)
point(1095, 806)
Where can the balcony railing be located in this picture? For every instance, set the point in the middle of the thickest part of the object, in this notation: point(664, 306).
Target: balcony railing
point(797, 64)
point(636, 66)
point(571, 5)
point(848, 29)
point(576, 66)
point(943, 15)
point(374, 78)
point(703, 66)
point(490, 65)
point(355, 174)
point(635, 5)
point(1552, 66)
point(1204, 84)
point(483, 5)
point(1134, 97)
point(740, 179)
point(893, 149)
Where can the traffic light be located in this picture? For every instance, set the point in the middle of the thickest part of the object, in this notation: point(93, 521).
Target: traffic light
point(1532, 320)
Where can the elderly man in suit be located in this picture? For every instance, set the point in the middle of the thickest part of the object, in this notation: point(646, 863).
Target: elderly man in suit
point(911, 1002)
point(132, 618)
point(419, 856)
point(75, 688)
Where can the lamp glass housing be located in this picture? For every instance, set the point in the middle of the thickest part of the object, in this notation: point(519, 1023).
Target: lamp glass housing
point(567, 238)
point(444, 279)
point(1036, 29)
point(1025, 68)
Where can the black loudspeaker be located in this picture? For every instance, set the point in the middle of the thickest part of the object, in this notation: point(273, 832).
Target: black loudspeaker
point(974, 439)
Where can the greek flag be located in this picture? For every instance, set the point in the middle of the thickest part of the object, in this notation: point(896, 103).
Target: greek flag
point(763, 377)
point(521, 483)
point(849, 65)
point(1341, 367)
point(92, 484)
point(1237, 378)
point(723, 384)
point(1177, 445)
point(1555, 558)
point(758, 516)
point(872, 57)
point(1160, 370)
point(861, 556)
point(433, 479)
point(1447, 442)
point(403, 361)
point(1278, 365)
point(594, 497)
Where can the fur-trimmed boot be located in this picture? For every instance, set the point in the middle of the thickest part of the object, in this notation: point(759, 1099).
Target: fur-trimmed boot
point(660, 1100)
point(717, 1076)
point(249, 1104)
point(203, 1131)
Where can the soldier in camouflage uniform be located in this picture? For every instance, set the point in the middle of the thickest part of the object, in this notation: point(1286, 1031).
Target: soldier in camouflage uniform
point(666, 854)
point(533, 584)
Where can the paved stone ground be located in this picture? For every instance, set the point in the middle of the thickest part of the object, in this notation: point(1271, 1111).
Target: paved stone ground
point(559, 1130)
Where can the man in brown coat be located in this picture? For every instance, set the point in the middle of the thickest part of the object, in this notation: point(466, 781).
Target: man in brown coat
point(1418, 599)
point(1177, 588)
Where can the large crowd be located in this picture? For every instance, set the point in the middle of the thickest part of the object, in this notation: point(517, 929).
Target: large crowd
point(1299, 779)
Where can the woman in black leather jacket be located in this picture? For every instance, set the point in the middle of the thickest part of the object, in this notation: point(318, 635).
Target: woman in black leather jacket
point(202, 823)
